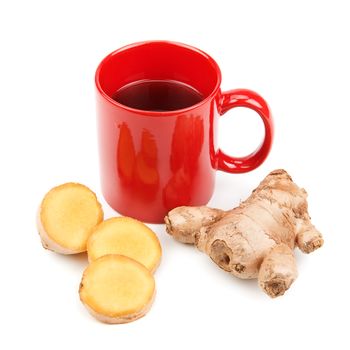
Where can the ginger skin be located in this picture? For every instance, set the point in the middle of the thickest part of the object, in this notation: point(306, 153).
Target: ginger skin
point(256, 239)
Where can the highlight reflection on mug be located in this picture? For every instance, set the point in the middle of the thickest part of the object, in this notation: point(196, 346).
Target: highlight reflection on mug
point(125, 155)
point(138, 171)
point(186, 147)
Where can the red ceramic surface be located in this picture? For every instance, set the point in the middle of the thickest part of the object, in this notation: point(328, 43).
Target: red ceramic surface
point(151, 162)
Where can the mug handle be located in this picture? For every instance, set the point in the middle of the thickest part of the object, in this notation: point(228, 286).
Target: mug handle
point(250, 99)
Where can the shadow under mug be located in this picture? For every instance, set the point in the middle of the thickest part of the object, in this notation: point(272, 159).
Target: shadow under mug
point(152, 161)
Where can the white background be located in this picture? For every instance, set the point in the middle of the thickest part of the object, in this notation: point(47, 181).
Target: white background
point(295, 54)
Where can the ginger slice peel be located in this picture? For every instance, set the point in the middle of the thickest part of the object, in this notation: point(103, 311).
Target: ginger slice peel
point(256, 239)
point(117, 289)
point(128, 237)
point(66, 217)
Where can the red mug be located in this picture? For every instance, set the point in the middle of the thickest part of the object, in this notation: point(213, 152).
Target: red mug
point(154, 161)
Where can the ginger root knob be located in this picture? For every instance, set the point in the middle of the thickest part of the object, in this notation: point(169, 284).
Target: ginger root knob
point(257, 238)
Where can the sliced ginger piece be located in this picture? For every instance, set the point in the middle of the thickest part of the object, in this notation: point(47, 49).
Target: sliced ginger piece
point(117, 289)
point(125, 236)
point(66, 217)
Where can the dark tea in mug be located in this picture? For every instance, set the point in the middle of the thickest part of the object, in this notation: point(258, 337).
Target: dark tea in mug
point(157, 95)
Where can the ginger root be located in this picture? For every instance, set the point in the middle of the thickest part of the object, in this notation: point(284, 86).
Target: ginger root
point(125, 236)
point(117, 289)
point(66, 216)
point(256, 239)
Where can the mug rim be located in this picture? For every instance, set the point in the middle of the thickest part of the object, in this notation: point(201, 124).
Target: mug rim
point(210, 60)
